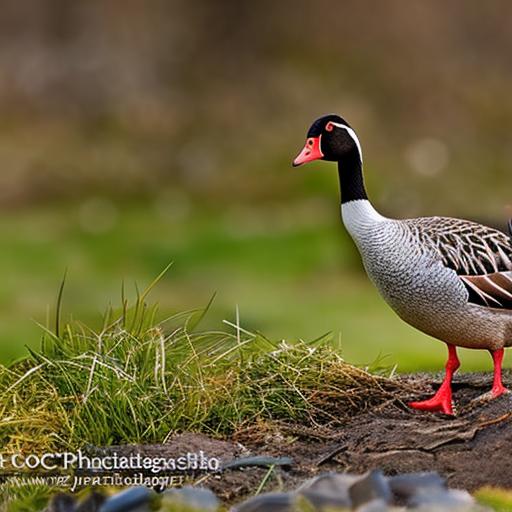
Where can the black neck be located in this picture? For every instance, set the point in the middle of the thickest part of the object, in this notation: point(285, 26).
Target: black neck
point(350, 171)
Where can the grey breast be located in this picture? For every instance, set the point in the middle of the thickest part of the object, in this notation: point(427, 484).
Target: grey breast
point(410, 277)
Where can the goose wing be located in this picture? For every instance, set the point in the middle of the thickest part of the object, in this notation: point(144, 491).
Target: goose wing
point(481, 256)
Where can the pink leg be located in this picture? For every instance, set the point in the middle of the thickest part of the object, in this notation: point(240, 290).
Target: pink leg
point(442, 400)
point(497, 386)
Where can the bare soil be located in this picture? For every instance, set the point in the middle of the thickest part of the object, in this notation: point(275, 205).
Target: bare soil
point(471, 450)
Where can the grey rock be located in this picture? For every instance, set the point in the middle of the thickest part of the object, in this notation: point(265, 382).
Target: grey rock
point(62, 503)
point(269, 502)
point(332, 484)
point(198, 498)
point(445, 500)
point(92, 503)
point(374, 506)
point(328, 490)
point(407, 485)
point(371, 486)
point(321, 501)
point(136, 499)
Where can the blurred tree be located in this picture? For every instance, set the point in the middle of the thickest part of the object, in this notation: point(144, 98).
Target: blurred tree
point(197, 94)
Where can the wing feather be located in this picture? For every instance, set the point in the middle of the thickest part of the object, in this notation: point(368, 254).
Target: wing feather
point(492, 288)
point(480, 255)
point(485, 298)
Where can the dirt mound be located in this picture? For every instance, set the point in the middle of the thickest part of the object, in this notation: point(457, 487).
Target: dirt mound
point(470, 450)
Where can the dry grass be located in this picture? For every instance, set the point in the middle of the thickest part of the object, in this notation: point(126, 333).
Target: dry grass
point(139, 380)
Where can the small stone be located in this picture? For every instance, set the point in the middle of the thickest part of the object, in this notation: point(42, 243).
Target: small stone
point(407, 485)
point(62, 503)
point(269, 502)
point(445, 500)
point(328, 489)
point(372, 486)
point(331, 483)
point(136, 499)
point(321, 501)
point(92, 503)
point(202, 499)
point(374, 506)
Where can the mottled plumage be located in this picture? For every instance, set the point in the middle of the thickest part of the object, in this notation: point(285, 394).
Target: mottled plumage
point(480, 255)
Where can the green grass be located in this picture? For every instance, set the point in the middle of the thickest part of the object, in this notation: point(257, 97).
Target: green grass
point(137, 379)
point(497, 499)
point(292, 271)
point(26, 498)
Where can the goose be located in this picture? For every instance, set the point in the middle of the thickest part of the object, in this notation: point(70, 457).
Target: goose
point(450, 278)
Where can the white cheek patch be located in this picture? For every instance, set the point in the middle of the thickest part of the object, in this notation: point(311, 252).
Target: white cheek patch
point(353, 135)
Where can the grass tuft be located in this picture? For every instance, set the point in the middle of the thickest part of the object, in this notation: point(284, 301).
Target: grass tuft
point(24, 498)
point(139, 380)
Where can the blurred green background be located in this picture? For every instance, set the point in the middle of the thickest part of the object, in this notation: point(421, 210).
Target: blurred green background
point(137, 133)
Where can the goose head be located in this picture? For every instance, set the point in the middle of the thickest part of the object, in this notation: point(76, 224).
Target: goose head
point(332, 139)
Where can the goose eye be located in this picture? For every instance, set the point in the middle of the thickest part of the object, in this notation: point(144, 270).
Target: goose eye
point(310, 142)
point(329, 127)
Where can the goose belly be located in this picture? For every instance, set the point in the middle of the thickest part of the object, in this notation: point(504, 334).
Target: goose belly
point(419, 288)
